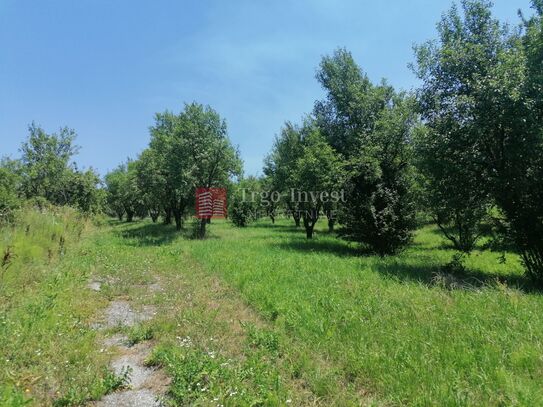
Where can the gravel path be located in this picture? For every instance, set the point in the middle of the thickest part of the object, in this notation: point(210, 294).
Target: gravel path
point(146, 384)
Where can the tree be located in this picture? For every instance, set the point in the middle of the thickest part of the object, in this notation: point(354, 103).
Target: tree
point(481, 98)
point(315, 177)
point(280, 163)
point(380, 208)
point(192, 151)
point(123, 194)
point(213, 160)
point(45, 163)
point(82, 192)
point(151, 182)
point(371, 126)
point(352, 105)
point(46, 171)
point(244, 201)
point(9, 186)
point(173, 162)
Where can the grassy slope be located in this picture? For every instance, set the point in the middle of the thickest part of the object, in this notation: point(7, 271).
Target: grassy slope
point(47, 350)
point(330, 326)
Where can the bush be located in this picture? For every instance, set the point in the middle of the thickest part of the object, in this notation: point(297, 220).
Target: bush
point(241, 213)
point(377, 214)
point(9, 199)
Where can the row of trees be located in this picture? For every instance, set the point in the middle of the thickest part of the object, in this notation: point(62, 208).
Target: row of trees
point(187, 151)
point(356, 143)
point(464, 149)
point(481, 147)
point(45, 173)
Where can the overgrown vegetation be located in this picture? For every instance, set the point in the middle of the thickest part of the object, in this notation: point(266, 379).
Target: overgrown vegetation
point(48, 349)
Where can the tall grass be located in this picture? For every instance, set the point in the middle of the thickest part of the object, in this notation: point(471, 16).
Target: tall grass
point(47, 350)
point(399, 327)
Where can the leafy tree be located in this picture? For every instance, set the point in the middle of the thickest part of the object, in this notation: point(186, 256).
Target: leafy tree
point(81, 191)
point(45, 163)
point(371, 126)
point(315, 177)
point(46, 171)
point(280, 164)
point(9, 185)
point(244, 201)
point(123, 196)
point(173, 166)
point(481, 98)
point(270, 205)
point(193, 151)
point(203, 134)
point(352, 105)
point(151, 182)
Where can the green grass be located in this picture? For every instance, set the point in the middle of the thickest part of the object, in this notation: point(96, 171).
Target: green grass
point(392, 326)
point(48, 352)
point(262, 316)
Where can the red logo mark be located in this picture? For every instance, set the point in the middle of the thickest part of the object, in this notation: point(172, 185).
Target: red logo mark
point(210, 203)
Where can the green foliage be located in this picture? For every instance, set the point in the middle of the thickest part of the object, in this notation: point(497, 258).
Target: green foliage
point(45, 161)
point(316, 176)
point(452, 192)
point(45, 171)
point(481, 99)
point(199, 376)
point(280, 163)
point(123, 194)
point(12, 397)
point(352, 105)
point(371, 126)
point(48, 350)
point(192, 150)
point(244, 201)
point(9, 185)
point(140, 333)
point(263, 338)
point(151, 182)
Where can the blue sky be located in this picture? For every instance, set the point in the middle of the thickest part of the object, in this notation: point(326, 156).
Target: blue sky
point(105, 67)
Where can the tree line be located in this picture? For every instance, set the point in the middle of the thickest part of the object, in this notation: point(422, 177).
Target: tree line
point(45, 174)
point(463, 150)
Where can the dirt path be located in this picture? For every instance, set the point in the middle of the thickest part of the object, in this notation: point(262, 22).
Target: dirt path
point(145, 385)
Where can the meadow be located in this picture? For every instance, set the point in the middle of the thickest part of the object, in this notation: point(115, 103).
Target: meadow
point(262, 316)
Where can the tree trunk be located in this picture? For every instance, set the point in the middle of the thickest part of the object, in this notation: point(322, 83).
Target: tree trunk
point(310, 218)
point(331, 223)
point(178, 216)
point(154, 215)
point(202, 229)
point(272, 218)
point(120, 215)
point(129, 216)
point(296, 216)
point(167, 216)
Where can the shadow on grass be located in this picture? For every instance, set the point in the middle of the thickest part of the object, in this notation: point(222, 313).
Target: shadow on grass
point(278, 227)
point(335, 247)
point(435, 276)
point(151, 234)
point(158, 234)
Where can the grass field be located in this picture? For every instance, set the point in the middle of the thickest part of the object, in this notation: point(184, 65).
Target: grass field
point(262, 316)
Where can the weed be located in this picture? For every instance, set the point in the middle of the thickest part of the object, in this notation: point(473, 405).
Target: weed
point(139, 333)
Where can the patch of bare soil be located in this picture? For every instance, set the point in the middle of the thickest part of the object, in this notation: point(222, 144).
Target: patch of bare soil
point(145, 384)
